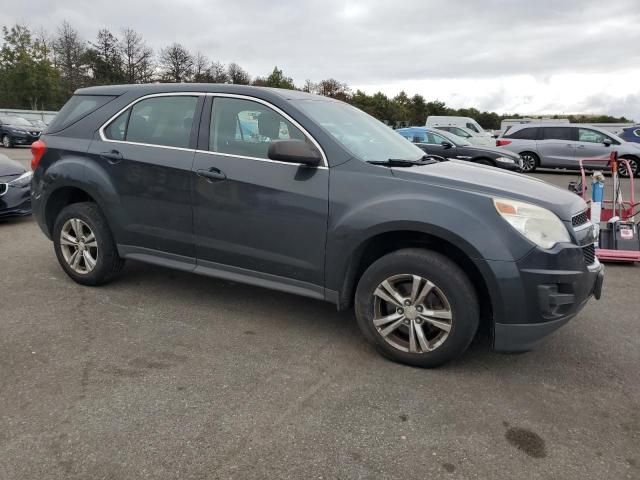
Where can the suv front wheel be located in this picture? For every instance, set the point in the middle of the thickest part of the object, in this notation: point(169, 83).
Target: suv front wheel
point(417, 307)
point(84, 244)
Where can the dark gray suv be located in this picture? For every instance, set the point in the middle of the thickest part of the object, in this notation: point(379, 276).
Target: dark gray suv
point(309, 195)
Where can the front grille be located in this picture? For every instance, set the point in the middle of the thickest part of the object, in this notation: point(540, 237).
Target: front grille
point(3, 188)
point(589, 253)
point(580, 219)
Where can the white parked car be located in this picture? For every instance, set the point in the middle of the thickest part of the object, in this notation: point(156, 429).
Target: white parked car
point(470, 136)
point(436, 121)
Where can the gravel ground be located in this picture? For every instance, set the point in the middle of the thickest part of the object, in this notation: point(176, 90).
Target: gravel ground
point(162, 374)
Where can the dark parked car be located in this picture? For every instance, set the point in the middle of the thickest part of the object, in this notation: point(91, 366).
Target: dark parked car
point(15, 189)
point(317, 199)
point(440, 143)
point(17, 131)
point(631, 134)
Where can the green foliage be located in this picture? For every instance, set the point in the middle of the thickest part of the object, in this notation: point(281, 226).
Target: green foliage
point(38, 73)
point(27, 76)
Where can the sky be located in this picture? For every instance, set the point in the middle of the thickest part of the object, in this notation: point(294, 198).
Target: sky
point(524, 56)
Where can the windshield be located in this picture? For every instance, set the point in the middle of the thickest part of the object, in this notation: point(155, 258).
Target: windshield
point(361, 134)
point(16, 121)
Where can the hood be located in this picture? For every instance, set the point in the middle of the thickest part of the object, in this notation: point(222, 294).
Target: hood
point(497, 183)
point(10, 167)
point(23, 128)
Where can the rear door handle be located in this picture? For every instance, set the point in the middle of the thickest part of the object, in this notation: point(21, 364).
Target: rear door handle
point(580, 146)
point(211, 174)
point(112, 157)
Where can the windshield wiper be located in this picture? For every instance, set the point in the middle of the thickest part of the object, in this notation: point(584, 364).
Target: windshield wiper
point(399, 162)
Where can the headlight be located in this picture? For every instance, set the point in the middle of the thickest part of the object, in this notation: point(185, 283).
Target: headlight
point(537, 224)
point(505, 160)
point(22, 181)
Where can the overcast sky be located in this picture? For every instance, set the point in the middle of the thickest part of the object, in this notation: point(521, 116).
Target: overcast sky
point(526, 56)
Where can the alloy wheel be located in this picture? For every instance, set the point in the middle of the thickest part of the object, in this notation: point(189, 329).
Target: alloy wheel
point(411, 313)
point(79, 246)
point(6, 142)
point(528, 162)
point(622, 168)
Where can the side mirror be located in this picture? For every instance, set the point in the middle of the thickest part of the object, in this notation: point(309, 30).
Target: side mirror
point(607, 142)
point(294, 151)
point(447, 144)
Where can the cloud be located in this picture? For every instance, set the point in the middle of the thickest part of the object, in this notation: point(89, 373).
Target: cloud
point(498, 54)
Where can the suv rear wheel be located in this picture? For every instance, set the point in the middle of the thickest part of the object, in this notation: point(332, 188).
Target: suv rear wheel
point(417, 307)
point(530, 162)
point(84, 244)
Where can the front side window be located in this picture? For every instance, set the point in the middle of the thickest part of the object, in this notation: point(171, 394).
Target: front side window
point(419, 137)
point(591, 136)
point(472, 127)
point(363, 136)
point(247, 128)
point(557, 133)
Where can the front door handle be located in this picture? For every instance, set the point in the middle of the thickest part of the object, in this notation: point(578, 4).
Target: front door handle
point(580, 146)
point(212, 174)
point(112, 157)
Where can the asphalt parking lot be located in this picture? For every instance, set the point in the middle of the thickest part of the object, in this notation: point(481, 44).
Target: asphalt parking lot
point(162, 374)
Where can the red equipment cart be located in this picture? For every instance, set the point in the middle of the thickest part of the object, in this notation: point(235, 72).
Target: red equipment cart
point(624, 210)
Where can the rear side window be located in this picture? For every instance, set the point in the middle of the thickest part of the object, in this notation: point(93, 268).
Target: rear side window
point(79, 106)
point(525, 134)
point(164, 121)
point(557, 133)
point(472, 127)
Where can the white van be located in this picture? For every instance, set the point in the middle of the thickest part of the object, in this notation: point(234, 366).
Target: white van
point(464, 122)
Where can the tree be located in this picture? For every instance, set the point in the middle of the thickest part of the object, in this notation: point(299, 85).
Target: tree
point(70, 58)
point(334, 89)
point(277, 80)
point(238, 75)
point(418, 110)
point(137, 58)
point(27, 76)
point(309, 86)
point(176, 63)
point(104, 59)
point(218, 73)
point(201, 69)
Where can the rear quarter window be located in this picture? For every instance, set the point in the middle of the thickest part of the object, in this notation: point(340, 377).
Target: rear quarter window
point(78, 107)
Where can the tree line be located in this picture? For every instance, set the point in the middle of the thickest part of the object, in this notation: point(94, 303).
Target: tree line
point(40, 71)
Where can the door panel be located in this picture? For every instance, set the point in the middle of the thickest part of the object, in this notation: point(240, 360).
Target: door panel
point(154, 188)
point(147, 153)
point(557, 147)
point(259, 215)
point(590, 144)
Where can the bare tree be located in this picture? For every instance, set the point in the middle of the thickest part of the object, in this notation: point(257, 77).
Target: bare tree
point(334, 89)
point(201, 68)
point(218, 73)
point(310, 87)
point(69, 58)
point(176, 63)
point(137, 58)
point(238, 75)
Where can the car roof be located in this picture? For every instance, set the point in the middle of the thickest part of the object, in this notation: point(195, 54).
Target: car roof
point(151, 88)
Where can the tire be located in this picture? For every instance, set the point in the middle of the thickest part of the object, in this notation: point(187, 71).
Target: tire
point(633, 163)
point(447, 280)
point(85, 223)
point(530, 161)
point(6, 141)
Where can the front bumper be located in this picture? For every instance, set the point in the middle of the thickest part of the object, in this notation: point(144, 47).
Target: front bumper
point(541, 293)
point(15, 202)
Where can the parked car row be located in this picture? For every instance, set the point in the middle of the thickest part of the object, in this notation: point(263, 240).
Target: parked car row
point(447, 145)
point(561, 145)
